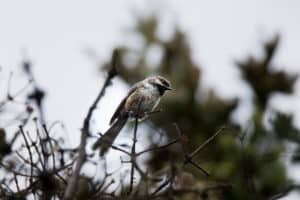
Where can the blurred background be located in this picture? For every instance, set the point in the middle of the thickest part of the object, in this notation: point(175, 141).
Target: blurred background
point(231, 63)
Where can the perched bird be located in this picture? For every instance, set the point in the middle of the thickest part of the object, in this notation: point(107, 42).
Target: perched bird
point(142, 98)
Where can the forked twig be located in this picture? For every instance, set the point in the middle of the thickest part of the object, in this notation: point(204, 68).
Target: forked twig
point(189, 156)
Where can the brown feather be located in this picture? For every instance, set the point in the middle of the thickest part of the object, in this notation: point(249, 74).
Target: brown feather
point(121, 106)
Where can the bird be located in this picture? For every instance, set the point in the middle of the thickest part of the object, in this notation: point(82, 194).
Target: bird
point(142, 99)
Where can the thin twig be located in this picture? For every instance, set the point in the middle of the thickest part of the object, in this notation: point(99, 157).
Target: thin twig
point(158, 148)
point(15, 172)
point(203, 145)
point(43, 152)
point(17, 183)
point(51, 146)
point(39, 154)
point(186, 155)
point(133, 153)
point(162, 186)
point(119, 149)
point(72, 182)
point(198, 167)
point(29, 152)
point(37, 94)
point(31, 164)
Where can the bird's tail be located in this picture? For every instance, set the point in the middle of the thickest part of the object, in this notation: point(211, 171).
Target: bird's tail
point(110, 135)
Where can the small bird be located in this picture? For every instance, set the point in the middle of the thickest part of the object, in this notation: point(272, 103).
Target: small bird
point(142, 98)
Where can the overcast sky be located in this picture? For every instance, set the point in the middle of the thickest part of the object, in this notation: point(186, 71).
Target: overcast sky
point(54, 35)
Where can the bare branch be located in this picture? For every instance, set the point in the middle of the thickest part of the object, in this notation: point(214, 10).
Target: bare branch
point(72, 182)
point(133, 153)
point(29, 152)
point(158, 148)
point(203, 145)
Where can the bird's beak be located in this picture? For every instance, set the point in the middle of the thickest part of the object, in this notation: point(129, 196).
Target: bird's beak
point(168, 88)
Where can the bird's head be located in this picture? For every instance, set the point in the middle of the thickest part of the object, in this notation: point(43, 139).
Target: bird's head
point(161, 83)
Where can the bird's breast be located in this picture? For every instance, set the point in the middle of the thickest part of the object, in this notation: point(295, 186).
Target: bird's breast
point(142, 101)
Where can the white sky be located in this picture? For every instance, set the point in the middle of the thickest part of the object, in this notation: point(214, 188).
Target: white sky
point(55, 33)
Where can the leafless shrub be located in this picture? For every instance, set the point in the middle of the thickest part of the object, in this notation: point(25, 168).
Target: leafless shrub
point(42, 167)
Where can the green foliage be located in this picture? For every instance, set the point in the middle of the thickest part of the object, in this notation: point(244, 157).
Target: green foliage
point(262, 79)
point(250, 160)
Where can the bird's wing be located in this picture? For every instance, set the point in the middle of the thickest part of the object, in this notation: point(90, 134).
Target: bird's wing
point(122, 104)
